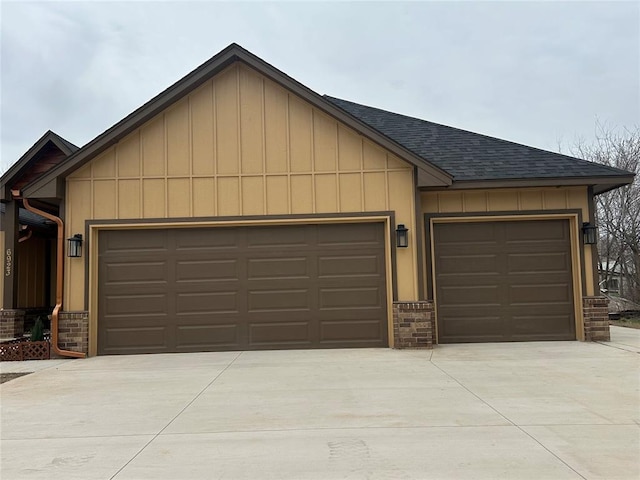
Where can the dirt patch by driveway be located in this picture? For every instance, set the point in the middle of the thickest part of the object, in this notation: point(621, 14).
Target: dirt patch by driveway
point(5, 377)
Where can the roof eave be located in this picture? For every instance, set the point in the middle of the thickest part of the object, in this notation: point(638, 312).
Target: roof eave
point(197, 77)
point(600, 184)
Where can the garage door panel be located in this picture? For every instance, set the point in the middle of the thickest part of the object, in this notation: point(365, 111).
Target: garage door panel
point(474, 328)
point(467, 264)
point(223, 239)
point(531, 294)
point(135, 340)
point(135, 272)
point(506, 281)
point(363, 234)
point(278, 237)
point(350, 298)
point(133, 241)
point(270, 268)
point(542, 263)
point(263, 291)
point(131, 304)
point(280, 334)
point(469, 295)
point(345, 330)
point(206, 336)
point(541, 231)
point(285, 300)
point(207, 302)
point(349, 266)
point(206, 270)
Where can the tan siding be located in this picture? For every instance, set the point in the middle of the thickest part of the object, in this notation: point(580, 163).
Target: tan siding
point(351, 192)
point(202, 130)
point(227, 142)
point(251, 122)
point(178, 148)
point(324, 143)
point(301, 194)
point(275, 113)
point(277, 195)
point(375, 198)
point(129, 156)
point(179, 199)
point(129, 197)
point(153, 198)
point(204, 197)
point(300, 128)
point(228, 196)
point(326, 193)
point(241, 145)
point(106, 167)
point(153, 148)
point(406, 258)
point(252, 196)
point(104, 199)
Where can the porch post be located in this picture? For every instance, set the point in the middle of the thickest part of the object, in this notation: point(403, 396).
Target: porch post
point(10, 255)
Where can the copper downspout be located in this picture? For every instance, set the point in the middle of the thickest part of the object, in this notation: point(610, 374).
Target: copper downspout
point(26, 237)
point(59, 278)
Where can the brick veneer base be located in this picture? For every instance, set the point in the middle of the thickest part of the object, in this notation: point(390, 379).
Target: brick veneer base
point(11, 323)
point(413, 324)
point(73, 331)
point(596, 319)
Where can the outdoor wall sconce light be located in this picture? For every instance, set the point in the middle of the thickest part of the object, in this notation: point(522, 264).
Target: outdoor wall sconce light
point(74, 246)
point(402, 236)
point(589, 234)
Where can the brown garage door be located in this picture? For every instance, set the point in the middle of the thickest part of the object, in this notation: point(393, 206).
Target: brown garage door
point(242, 288)
point(504, 281)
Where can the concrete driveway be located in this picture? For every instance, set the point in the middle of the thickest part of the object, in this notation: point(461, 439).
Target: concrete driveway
point(557, 410)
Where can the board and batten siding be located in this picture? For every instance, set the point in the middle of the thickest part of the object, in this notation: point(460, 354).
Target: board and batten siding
point(240, 145)
point(515, 200)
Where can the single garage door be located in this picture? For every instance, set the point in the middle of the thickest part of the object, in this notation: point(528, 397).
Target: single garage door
point(504, 281)
point(242, 288)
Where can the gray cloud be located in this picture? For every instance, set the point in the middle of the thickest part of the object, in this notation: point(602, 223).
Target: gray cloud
point(531, 72)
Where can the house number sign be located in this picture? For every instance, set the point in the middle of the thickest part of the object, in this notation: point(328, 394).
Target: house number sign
point(8, 263)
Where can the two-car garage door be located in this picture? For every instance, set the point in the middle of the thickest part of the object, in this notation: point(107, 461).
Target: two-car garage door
point(242, 288)
point(503, 281)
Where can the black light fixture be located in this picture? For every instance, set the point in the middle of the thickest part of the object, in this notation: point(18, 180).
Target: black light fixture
point(74, 246)
point(589, 234)
point(402, 236)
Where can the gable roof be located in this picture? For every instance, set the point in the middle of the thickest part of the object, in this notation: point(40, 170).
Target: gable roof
point(49, 185)
point(49, 150)
point(440, 154)
point(472, 157)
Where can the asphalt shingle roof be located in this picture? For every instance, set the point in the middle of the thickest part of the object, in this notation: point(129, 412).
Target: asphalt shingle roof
point(471, 156)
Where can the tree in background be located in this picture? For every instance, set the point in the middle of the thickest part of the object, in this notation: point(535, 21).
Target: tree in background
point(618, 211)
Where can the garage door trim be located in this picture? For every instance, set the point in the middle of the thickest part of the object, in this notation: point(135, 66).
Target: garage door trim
point(574, 216)
point(93, 227)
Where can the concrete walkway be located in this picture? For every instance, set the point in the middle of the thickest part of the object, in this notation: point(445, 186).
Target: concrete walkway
point(556, 410)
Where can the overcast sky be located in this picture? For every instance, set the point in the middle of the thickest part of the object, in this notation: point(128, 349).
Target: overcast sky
point(538, 73)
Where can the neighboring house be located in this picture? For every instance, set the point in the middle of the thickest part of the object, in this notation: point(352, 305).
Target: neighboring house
point(240, 210)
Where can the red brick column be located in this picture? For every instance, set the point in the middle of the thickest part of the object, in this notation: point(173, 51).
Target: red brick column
point(11, 323)
point(596, 319)
point(413, 325)
point(73, 331)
